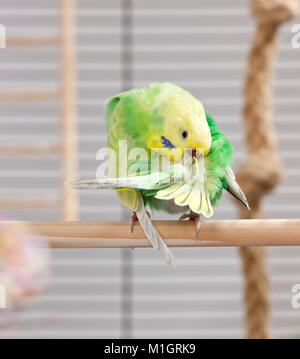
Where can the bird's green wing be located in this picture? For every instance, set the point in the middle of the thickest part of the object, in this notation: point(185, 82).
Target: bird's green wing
point(191, 192)
point(153, 181)
point(185, 184)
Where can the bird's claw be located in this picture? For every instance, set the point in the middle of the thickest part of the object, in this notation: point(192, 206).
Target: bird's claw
point(192, 217)
point(134, 219)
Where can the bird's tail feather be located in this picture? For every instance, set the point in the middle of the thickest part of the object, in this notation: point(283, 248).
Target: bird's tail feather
point(144, 220)
point(235, 189)
point(153, 236)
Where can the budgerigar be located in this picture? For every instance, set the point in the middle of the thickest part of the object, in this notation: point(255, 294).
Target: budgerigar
point(168, 122)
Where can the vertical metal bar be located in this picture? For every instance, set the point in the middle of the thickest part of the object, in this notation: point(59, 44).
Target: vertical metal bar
point(126, 254)
point(69, 157)
point(126, 54)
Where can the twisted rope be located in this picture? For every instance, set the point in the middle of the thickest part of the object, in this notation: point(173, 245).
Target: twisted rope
point(261, 171)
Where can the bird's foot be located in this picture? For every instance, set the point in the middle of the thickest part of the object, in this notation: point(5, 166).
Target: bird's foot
point(192, 217)
point(134, 219)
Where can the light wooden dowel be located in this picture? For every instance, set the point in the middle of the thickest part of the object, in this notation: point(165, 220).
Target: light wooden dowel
point(28, 202)
point(238, 233)
point(28, 95)
point(69, 150)
point(32, 41)
point(33, 149)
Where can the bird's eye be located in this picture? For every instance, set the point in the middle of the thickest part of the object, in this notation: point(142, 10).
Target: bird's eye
point(184, 134)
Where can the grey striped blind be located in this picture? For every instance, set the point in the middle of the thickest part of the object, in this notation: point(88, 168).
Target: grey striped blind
point(201, 46)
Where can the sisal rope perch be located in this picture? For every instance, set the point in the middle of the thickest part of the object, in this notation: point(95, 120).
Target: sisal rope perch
point(261, 171)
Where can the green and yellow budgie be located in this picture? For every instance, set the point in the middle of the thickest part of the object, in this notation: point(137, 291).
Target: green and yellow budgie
point(165, 122)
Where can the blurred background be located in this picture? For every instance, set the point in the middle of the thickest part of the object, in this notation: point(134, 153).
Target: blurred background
point(202, 46)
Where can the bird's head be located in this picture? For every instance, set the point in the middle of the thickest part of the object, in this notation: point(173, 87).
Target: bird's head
point(184, 126)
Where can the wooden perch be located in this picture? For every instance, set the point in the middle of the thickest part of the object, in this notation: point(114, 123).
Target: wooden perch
point(227, 233)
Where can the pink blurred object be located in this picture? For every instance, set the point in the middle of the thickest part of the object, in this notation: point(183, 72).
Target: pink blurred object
point(24, 267)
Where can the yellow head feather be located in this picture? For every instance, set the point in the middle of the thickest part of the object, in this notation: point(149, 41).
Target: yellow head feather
point(185, 126)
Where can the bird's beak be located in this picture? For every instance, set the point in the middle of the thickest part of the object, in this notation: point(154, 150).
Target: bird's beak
point(197, 153)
